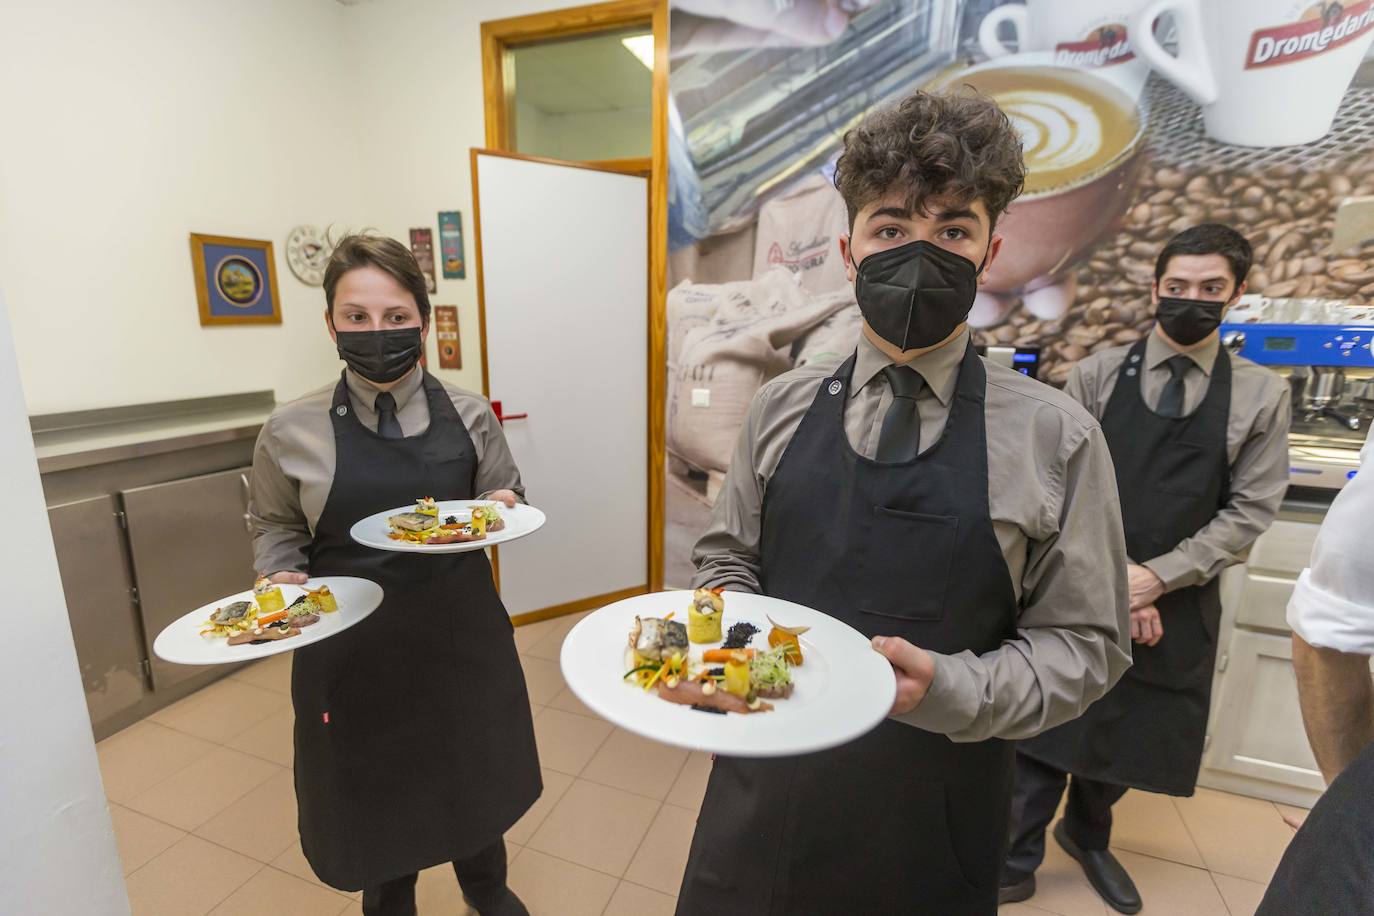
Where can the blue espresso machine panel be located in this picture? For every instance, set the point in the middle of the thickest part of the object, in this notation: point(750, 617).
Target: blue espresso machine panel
point(1301, 344)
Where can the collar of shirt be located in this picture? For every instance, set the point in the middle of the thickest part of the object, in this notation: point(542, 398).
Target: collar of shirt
point(939, 368)
point(365, 393)
point(1157, 351)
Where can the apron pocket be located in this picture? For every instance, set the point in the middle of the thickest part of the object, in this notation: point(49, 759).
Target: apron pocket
point(906, 564)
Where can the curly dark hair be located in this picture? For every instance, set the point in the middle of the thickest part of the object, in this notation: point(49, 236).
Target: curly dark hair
point(956, 145)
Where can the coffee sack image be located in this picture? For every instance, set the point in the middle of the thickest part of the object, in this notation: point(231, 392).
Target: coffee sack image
point(1136, 124)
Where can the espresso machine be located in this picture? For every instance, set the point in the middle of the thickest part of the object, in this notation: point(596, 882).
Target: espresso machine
point(1325, 351)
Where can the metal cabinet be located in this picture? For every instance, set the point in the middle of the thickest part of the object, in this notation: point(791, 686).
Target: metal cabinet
point(190, 545)
point(96, 579)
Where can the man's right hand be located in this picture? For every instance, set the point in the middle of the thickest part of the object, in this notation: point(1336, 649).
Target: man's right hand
point(1146, 626)
point(289, 577)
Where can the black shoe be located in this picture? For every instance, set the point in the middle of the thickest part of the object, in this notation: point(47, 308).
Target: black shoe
point(1014, 890)
point(1104, 872)
point(504, 904)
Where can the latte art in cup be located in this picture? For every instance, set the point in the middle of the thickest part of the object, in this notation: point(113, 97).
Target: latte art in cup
point(1072, 127)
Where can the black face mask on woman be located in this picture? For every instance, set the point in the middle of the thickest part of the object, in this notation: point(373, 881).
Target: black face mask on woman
point(915, 295)
point(380, 356)
point(1187, 321)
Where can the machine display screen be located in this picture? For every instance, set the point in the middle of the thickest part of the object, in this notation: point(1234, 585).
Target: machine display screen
point(1283, 344)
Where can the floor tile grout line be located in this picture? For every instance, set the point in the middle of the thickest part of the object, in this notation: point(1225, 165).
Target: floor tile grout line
point(1189, 830)
point(217, 813)
point(643, 839)
point(1213, 875)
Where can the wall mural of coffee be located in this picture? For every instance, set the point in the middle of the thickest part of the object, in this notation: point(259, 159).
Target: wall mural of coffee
point(1139, 119)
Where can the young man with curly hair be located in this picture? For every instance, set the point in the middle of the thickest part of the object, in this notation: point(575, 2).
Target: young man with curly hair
point(961, 515)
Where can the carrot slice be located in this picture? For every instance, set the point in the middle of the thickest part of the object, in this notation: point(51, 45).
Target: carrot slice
point(265, 619)
point(724, 655)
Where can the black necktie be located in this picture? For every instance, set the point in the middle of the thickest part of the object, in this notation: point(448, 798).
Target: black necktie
point(900, 439)
point(388, 427)
point(1171, 400)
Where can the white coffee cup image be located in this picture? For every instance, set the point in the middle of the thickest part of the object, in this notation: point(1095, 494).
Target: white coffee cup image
point(1266, 72)
point(1082, 138)
point(1089, 35)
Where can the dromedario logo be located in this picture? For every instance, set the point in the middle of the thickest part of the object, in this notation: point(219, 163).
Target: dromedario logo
point(1103, 46)
point(1320, 29)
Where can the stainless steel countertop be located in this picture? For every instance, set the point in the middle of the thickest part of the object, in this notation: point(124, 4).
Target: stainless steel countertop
point(81, 439)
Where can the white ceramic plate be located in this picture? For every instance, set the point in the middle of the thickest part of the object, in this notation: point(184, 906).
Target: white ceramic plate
point(521, 521)
point(843, 688)
point(182, 643)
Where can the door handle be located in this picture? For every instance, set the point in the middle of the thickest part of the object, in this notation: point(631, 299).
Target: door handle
point(503, 417)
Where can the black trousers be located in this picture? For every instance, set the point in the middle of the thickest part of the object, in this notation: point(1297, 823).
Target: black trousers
point(1087, 816)
point(482, 878)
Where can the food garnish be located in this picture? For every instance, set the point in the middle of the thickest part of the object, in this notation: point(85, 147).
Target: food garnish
point(268, 595)
point(326, 600)
point(704, 615)
point(740, 635)
point(787, 636)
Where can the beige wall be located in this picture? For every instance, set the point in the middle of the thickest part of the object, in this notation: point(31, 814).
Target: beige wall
point(128, 126)
point(419, 98)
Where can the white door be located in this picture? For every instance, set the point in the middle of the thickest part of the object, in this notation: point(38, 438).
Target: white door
point(563, 267)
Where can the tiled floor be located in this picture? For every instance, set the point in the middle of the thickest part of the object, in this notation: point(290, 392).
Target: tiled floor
point(205, 816)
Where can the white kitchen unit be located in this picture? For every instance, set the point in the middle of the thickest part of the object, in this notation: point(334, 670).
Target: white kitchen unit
point(1256, 744)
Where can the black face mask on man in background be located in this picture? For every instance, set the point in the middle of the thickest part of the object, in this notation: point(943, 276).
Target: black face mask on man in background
point(380, 356)
point(1187, 321)
point(915, 295)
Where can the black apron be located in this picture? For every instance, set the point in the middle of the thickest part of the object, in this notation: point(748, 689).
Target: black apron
point(901, 820)
point(414, 740)
point(1173, 475)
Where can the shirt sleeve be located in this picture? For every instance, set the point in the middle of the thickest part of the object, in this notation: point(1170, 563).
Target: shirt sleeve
point(727, 554)
point(281, 534)
point(1259, 480)
point(1080, 385)
point(1072, 635)
point(496, 468)
point(1332, 606)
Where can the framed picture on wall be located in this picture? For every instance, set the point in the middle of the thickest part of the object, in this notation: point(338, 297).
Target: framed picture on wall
point(236, 280)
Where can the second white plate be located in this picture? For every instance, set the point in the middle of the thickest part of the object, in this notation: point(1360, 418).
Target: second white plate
point(843, 688)
point(521, 521)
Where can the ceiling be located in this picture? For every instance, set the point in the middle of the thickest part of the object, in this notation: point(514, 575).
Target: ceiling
point(582, 75)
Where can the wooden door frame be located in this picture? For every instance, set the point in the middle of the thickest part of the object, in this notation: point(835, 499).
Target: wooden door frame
point(498, 38)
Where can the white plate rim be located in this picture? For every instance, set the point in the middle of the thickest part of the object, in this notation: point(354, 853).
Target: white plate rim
point(371, 531)
point(849, 708)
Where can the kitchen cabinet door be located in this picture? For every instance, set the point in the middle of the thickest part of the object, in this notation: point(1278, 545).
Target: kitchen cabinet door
point(1257, 731)
point(94, 566)
point(191, 546)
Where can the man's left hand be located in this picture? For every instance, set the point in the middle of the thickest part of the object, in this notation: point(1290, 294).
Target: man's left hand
point(914, 667)
point(1146, 587)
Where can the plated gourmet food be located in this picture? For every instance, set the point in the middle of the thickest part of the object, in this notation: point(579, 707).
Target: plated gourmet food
point(267, 618)
point(734, 677)
point(423, 525)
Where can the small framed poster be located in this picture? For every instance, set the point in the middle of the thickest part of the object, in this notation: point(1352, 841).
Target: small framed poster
point(446, 337)
point(451, 244)
point(236, 280)
point(422, 246)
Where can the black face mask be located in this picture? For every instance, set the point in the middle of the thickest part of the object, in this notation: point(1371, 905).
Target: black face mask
point(380, 356)
point(1187, 321)
point(914, 296)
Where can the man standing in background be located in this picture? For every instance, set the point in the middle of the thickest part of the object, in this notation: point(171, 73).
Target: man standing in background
point(1200, 444)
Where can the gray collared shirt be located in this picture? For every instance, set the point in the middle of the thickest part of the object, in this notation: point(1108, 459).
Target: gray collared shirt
point(293, 462)
point(1052, 498)
point(1256, 448)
